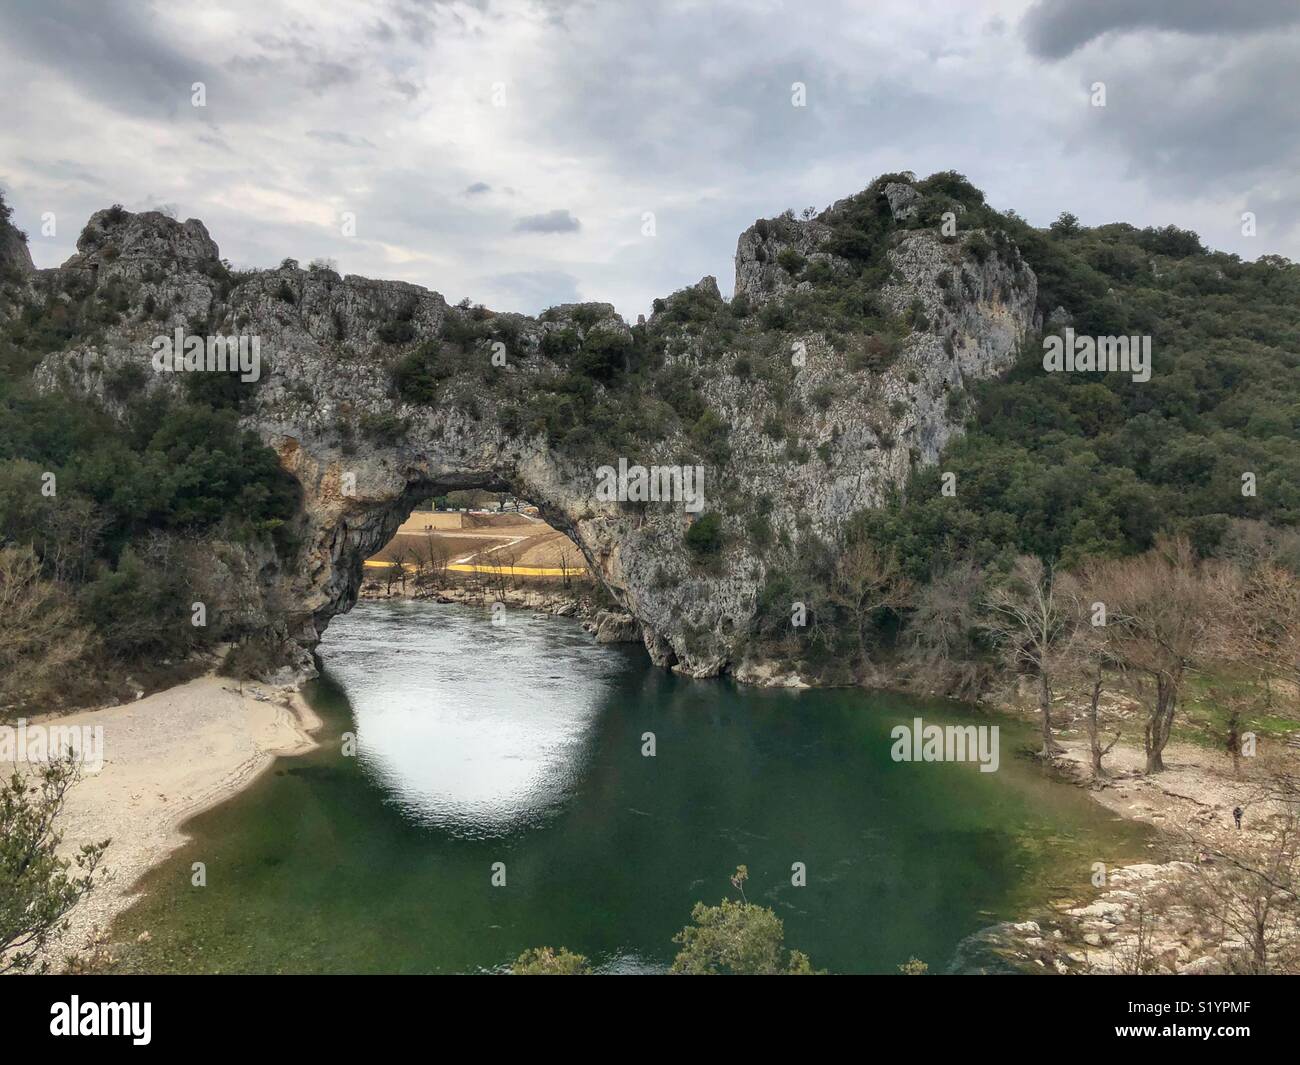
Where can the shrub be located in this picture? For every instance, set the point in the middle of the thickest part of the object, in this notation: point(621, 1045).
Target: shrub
point(704, 538)
point(559, 344)
point(399, 332)
point(125, 381)
point(384, 428)
point(603, 355)
point(978, 247)
point(415, 376)
point(544, 961)
point(790, 261)
point(710, 434)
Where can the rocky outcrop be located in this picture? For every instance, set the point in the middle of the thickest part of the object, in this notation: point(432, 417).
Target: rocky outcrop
point(609, 627)
point(768, 251)
point(1148, 919)
point(903, 199)
point(365, 452)
point(15, 258)
point(16, 266)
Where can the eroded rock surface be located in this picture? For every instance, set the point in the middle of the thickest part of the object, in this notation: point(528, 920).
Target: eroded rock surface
point(365, 453)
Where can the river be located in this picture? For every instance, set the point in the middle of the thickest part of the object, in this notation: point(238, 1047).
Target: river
point(519, 748)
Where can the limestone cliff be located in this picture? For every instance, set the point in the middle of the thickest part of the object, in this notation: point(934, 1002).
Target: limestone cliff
point(809, 396)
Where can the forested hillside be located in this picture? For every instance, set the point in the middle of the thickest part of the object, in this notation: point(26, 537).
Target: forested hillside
point(155, 485)
point(110, 520)
point(1070, 465)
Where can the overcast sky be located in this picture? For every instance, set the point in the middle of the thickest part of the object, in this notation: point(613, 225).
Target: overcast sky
point(509, 152)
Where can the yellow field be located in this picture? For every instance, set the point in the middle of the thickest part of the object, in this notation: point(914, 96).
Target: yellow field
point(483, 543)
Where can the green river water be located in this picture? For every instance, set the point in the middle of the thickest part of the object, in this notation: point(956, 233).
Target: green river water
point(522, 744)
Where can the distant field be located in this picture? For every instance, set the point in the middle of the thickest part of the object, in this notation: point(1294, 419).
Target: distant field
point(479, 541)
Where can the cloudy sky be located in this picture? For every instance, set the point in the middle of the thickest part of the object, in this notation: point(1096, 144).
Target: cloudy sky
point(510, 152)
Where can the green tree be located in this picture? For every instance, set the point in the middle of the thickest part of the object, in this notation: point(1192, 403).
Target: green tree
point(705, 538)
point(1066, 225)
point(36, 890)
point(546, 961)
point(736, 939)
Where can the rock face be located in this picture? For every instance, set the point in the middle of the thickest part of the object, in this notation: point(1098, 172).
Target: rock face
point(615, 628)
point(14, 255)
point(364, 455)
point(1147, 919)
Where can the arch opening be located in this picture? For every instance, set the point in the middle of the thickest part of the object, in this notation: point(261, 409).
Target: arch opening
point(473, 539)
point(481, 546)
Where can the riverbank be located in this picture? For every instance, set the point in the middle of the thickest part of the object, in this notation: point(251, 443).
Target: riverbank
point(1193, 910)
point(607, 626)
point(571, 602)
point(167, 757)
point(176, 753)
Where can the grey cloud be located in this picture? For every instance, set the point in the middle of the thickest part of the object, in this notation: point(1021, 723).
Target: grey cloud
point(64, 170)
point(413, 19)
point(557, 221)
point(326, 74)
point(406, 88)
point(1055, 28)
point(310, 65)
point(398, 208)
point(111, 50)
point(331, 136)
point(690, 117)
point(1196, 126)
point(712, 96)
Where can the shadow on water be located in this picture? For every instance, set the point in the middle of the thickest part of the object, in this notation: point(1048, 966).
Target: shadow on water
point(522, 744)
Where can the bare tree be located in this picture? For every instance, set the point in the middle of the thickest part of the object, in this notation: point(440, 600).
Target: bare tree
point(945, 615)
point(1265, 633)
point(1247, 887)
point(75, 529)
point(498, 574)
point(1033, 624)
point(411, 563)
point(436, 559)
point(1096, 752)
point(1087, 659)
point(1135, 954)
point(393, 572)
point(39, 630)
point(1166, 614)
point(866, 580)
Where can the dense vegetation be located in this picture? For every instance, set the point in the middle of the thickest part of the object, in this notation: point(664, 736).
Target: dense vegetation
point(1070, 465)
point(1065, 467)
point(118, 510)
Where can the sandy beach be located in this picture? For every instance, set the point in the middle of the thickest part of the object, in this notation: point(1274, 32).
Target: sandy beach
point(167, 757)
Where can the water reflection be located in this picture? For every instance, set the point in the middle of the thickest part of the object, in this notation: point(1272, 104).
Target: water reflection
point(522, 744)
point(492, 741)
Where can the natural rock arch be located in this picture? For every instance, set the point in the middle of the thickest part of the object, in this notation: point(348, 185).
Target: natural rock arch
point(365, 451)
